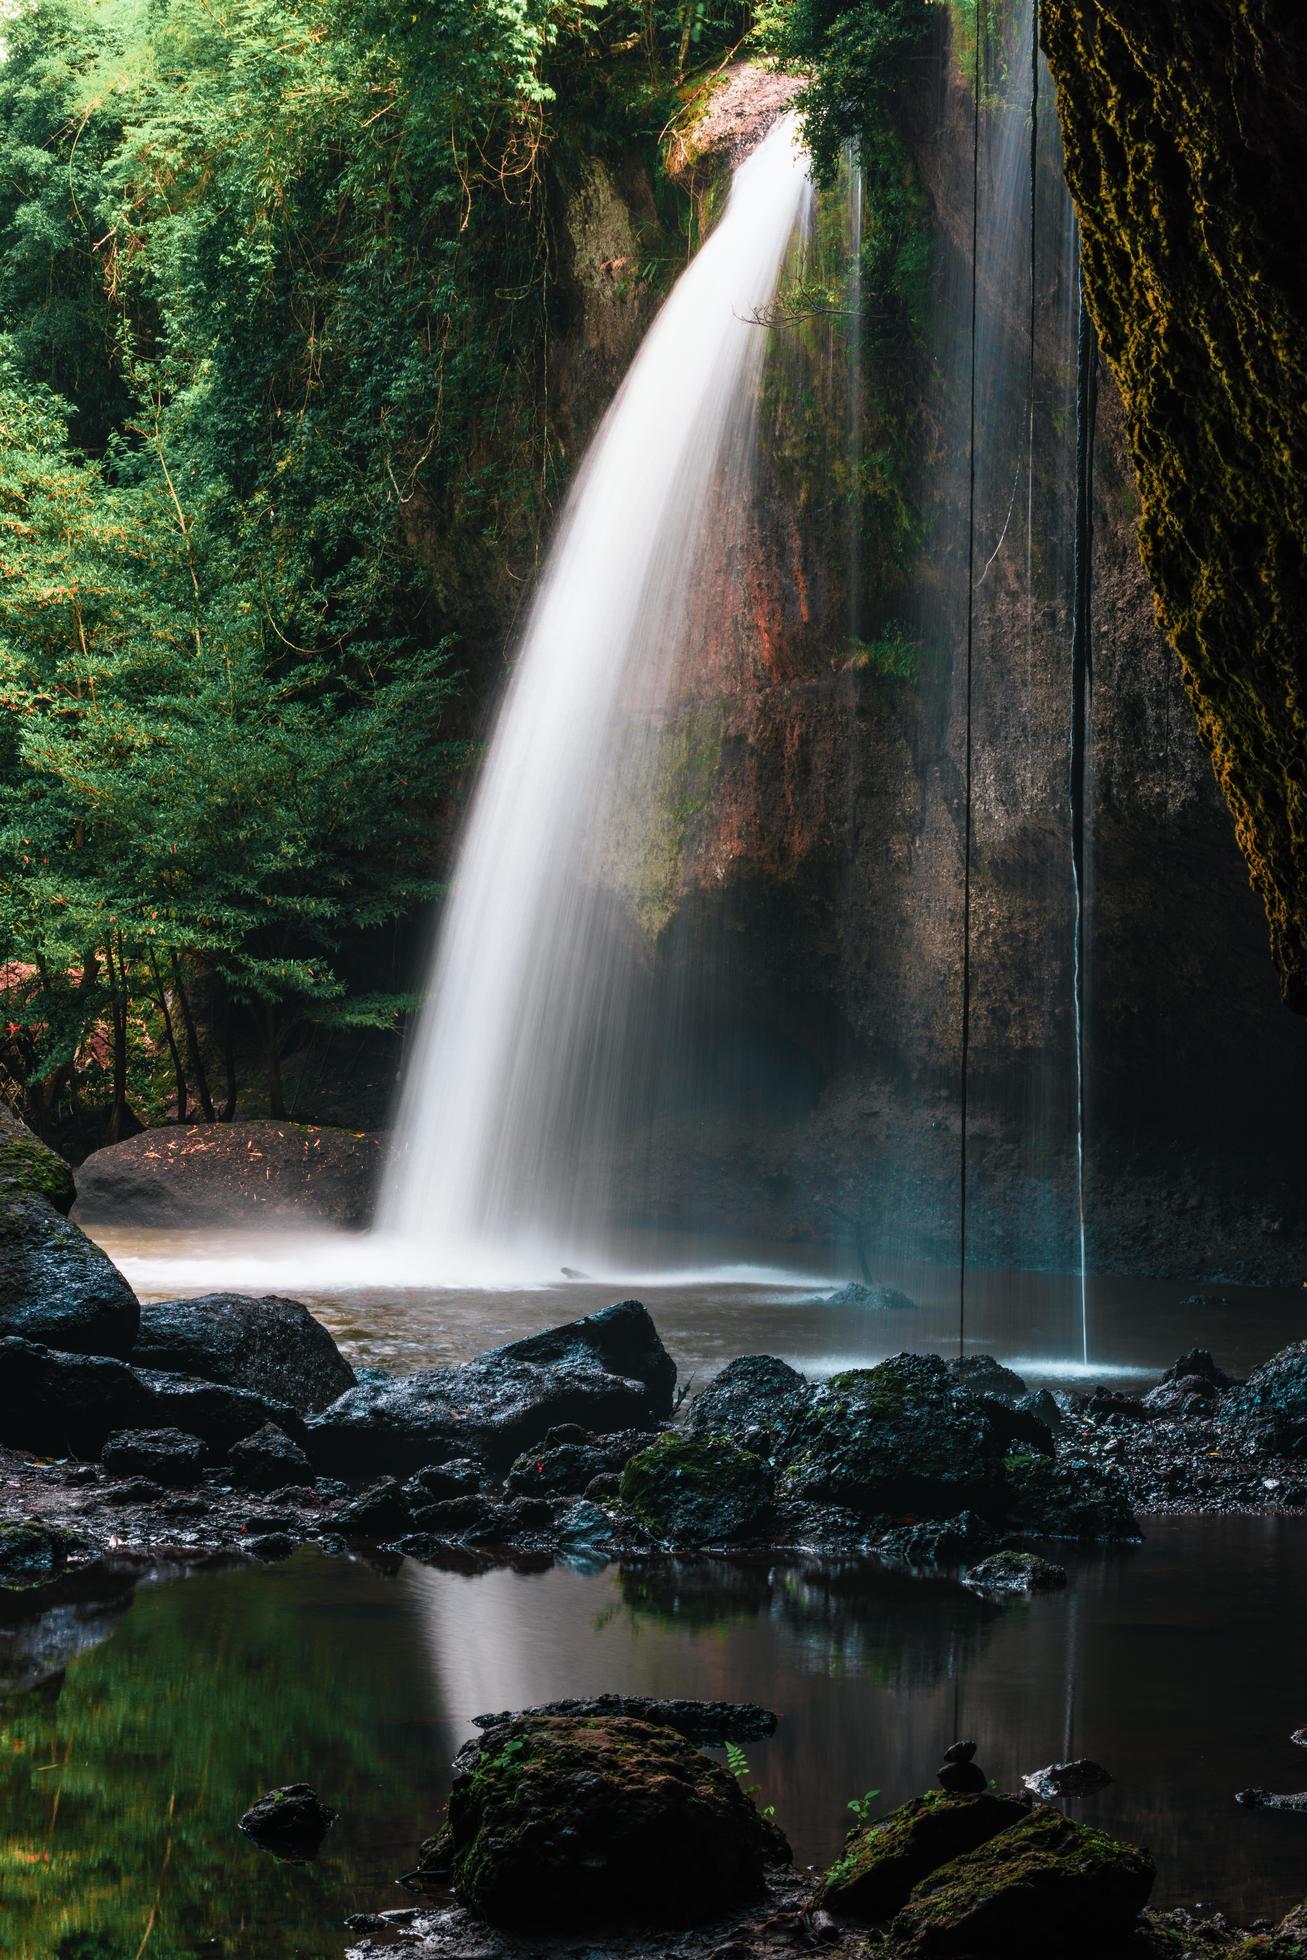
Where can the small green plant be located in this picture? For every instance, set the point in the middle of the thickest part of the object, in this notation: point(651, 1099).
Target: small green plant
point(738, 1764)
point(863, 1806)
point(892, 654)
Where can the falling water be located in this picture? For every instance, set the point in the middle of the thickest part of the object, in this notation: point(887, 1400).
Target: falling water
point(522, 1071)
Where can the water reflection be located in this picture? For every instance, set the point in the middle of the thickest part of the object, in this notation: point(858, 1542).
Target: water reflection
point(131, 1740)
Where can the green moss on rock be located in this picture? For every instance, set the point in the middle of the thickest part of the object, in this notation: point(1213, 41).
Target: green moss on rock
point(1046, 1885)
point(879, 1866)
point(1057, 1500)
point(1185, 133)
point(564, 1823)
point(28, 1169)
point(697, 1490)
point(32, 1553)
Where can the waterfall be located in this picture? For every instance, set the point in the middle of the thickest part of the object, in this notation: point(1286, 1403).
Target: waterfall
point(527, 1052)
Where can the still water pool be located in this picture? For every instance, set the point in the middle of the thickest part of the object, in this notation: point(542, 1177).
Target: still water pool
point(181, 1698)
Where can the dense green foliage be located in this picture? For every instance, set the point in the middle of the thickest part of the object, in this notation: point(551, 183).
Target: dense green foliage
point(276, 281)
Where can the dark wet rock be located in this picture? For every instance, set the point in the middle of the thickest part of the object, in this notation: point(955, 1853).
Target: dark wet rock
point(1059, 1780)
point(270, 1545)
point(1015, 1572)
point(756, 1400)
point(32, 1553)
point(436, 1481)
point(55, 1286)
point(137, 1490)
point(1018, 1429)
point(505, 1401)
point(52, 1401)
point(1300, 1737)
point(1045, 1885)
point(895, 1438)
point(708, 1724)
point(168, 1456)
point(605, 1488)
point(985, 1375)
point(375, 1512)
point(569, 1459)
point(959, 1775)
point(1270, 1409)
point(1272, 1799)
point(937, 1541)
point(267, 1460)
point(876, 1298)
point(622, 1339)
point(272, 1346)
point(697, 1490)
point(583, 1527)
point(881, 1863)
point(291, 1822)
point(1043, 1407)
point(1066, 1500)
point(560, 1823)
point(1108, 1404)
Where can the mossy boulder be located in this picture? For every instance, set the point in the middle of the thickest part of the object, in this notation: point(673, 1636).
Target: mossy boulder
point(1015, 1572)
point(697, 1490)
point(1046, 1885)
point(568, 1824)
point(32, 1553)
point(901, 1437)
point(55, 1286)
point(1064, 1500)
point(881, 1863)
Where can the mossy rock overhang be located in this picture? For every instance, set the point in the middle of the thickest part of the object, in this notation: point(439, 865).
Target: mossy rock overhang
point(1185, 137)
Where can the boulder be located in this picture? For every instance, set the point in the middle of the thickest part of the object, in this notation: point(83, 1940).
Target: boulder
point(32, 1553)
point(895, 1438)
point(937, 1541)
point(376, 1512)
point(55, 1286)
point(495, 1407)
point(290, 1823)
point(697, 1490)
point(167, 1456)
point(1270, 1410)
point(271, 1346)
point(1014, 1572)
point(984, 1374)
point(567, 1468)
point(1045, 1885)
point(1066, 1500)
point(210, 1173)
point(756, 1400)
point(268, 1460)
point(882, 1862)
point(569, 1824)
point(622, 1339)
point(73, 1403)
point(876, 1298)
point(436, 1481)
point(1042, 1405)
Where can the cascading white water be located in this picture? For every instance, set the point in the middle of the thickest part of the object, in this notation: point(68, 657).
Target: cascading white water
point(516, 1079)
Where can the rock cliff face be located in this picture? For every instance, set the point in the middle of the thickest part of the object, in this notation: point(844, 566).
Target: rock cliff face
point(1186, 152)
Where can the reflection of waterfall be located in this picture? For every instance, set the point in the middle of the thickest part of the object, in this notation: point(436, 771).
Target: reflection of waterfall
point(529, 1058)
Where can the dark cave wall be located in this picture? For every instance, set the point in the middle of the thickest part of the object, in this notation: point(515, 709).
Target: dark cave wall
point(1185, 130)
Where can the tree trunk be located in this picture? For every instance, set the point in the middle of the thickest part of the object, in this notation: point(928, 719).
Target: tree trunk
point(272, 1065)
point(192, 1042)
point(228, 1058)
point(123, 1120)
point(177, 1069)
